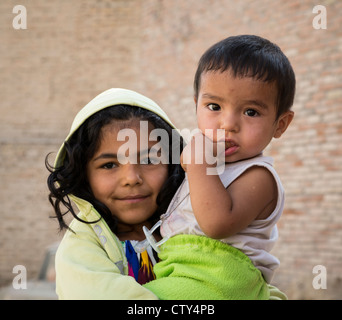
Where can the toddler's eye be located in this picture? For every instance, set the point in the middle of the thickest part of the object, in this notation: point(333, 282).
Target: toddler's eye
point(251, 113)
point(214, 107)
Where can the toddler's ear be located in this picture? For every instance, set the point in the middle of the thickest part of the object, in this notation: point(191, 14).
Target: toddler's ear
point(282, 123)
point(195, 100)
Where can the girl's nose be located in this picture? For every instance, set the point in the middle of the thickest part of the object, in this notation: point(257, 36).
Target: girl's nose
point(131, 175)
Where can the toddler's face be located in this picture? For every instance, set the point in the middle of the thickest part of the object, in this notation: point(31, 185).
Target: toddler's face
point(244, 107)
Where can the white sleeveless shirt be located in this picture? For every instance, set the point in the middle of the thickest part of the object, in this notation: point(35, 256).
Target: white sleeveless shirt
point(255, 241)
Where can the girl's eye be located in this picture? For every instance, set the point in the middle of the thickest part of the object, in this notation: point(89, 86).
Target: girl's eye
point(251, 113)
point(109, 165)
point(214, 107)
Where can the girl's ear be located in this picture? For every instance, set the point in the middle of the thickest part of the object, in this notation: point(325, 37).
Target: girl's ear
point(282, 123)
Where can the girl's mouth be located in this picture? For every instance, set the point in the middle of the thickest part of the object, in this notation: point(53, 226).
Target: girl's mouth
point(134, 198)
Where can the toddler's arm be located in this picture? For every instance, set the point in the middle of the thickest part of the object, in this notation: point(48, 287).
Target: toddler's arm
point(222, 212)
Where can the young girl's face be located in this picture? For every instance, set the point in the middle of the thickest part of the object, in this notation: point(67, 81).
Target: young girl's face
point(129, 190)
point(245, 108)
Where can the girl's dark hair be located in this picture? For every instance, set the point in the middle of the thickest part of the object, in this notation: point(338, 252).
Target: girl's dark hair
point(71, 179)
point(251, 56)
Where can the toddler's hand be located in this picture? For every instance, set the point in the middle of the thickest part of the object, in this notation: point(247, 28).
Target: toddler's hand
point(201, 150)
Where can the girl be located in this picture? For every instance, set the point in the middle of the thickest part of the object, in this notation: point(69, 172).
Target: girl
point(115, 198)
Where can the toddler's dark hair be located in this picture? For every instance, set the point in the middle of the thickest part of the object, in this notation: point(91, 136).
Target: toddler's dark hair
point(251, 56)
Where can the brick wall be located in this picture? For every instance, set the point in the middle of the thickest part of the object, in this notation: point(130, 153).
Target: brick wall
point(72, 51)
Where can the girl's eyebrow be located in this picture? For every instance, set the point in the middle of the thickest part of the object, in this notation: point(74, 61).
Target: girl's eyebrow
point(106, 156)
point(115, 156)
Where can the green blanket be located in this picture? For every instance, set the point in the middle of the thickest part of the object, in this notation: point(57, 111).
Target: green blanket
point(199, 268)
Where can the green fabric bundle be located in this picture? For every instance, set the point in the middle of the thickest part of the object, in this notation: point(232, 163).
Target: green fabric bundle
point(200, 268)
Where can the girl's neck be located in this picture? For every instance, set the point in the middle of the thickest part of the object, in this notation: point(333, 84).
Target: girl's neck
point(132, 232)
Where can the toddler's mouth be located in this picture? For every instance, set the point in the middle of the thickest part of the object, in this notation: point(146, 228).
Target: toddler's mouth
point(230, 144)
point(230, 147)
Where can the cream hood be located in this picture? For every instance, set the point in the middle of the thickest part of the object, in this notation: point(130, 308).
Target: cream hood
point(108, 98)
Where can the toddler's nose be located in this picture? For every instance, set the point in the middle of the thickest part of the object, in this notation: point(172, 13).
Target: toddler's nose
point(230, 123)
